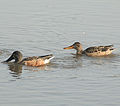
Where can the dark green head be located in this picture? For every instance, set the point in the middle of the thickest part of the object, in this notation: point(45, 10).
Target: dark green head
point(16, 55)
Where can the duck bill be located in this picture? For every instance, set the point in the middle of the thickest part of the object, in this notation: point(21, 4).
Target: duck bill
point(10, 58)
point(69, 47)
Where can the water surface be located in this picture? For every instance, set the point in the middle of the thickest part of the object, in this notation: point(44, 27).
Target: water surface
point(39, 27)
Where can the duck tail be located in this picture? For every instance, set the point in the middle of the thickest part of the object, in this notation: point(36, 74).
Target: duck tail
point(109, 46)
point(112, 49)
point(47, 58)
point(50, 56)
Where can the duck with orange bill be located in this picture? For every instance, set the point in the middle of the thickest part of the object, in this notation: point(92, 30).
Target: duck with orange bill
point(92, 51)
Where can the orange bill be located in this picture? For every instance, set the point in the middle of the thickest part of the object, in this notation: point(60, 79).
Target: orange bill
point(70, 47)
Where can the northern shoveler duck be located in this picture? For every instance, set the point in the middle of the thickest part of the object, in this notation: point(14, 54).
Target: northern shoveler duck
point(92, 51)
point(30, 61)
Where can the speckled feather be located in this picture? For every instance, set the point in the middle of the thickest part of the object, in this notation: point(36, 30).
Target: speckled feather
point(98, 48)
point(92, 51)
point(99, 51)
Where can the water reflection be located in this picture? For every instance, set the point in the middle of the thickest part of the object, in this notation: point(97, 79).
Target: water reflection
point(40, 68)
point(70, 62)
point(16, 69)
point(77, 57)
point(103, 60)
point(0, 52)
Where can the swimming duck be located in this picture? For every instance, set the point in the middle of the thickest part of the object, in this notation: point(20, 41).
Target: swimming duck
point(30, 61)
point(92, 51)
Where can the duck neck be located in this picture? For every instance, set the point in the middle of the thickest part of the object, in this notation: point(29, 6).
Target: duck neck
point(79, 52)
point(18, 60)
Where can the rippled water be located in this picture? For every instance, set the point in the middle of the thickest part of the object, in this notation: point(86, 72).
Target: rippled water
point(39, 27)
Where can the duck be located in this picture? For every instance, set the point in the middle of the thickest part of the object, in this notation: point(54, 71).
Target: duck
point(94, 51)
point(29, 61)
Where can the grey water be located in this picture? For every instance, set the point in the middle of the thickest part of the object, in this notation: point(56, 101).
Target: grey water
point(40, 27)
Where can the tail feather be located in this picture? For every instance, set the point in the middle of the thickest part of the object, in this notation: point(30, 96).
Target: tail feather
point(49, 57)
point(109, 46)
point(112, 49)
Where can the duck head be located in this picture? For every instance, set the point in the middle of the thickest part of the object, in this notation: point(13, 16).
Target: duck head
point(77, 46)
point(16, 55)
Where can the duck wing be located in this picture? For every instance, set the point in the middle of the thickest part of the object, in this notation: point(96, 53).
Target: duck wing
point(37, 60)
point(99, 50)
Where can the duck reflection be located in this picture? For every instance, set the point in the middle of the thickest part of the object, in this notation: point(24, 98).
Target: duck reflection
point(16, 69)
point(40, 68)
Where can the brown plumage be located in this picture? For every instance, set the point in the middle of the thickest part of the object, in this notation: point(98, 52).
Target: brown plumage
point(30, 61)
point(92, 51)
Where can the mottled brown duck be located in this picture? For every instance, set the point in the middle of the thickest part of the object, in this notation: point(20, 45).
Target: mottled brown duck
point(92, 51)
